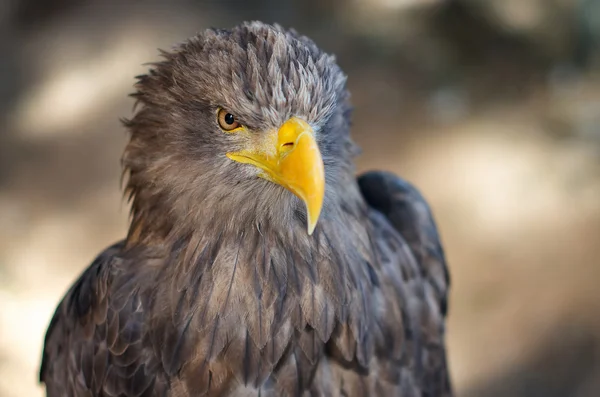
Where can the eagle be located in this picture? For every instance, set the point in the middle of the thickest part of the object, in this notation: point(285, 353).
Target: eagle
point(256, 262)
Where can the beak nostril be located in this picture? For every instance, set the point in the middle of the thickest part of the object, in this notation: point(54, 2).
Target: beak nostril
point(286, 147)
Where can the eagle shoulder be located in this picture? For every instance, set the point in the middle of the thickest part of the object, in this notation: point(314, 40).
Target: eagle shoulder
point(95, 341)
point(416, 277)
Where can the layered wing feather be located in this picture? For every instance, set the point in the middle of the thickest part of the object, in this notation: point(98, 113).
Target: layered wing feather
point(418, 298)
point(96, 342)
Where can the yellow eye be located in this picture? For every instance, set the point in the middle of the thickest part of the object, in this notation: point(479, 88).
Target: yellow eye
point(227, 120)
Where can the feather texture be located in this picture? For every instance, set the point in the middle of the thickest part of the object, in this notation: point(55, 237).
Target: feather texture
point(218, 290)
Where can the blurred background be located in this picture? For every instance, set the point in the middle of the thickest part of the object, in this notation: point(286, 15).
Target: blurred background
point(491, 107)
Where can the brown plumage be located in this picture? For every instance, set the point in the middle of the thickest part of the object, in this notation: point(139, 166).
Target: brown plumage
point(218, 289)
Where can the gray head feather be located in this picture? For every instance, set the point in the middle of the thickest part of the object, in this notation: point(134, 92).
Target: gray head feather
point(263, 74)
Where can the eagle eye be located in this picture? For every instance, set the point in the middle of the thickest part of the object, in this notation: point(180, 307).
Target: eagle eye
point(227, 120)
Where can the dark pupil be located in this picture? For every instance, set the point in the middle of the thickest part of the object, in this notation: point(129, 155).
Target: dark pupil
point(229, 119)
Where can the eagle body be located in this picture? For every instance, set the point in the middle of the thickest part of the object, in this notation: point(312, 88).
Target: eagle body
point(218, 289)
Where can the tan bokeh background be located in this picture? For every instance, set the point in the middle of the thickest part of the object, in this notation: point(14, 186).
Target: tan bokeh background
point(491, 107)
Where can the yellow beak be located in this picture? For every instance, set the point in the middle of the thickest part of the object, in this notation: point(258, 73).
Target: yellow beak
point(291, 158)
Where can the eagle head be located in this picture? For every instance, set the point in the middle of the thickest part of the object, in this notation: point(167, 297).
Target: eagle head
point(235, 127)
